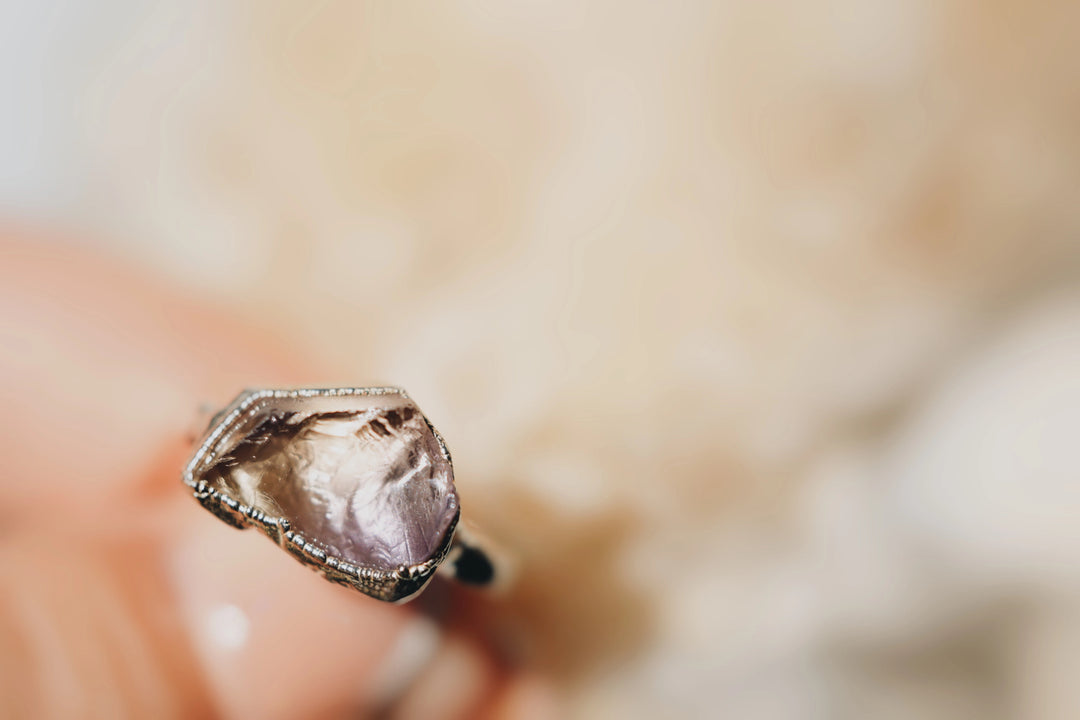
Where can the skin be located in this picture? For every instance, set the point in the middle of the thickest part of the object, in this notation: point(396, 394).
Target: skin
point(119, 596)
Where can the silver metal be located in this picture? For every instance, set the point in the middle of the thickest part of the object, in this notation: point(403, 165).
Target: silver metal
point(470, 563)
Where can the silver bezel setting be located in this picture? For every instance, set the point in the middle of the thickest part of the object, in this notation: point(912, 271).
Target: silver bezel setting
point(396, 586)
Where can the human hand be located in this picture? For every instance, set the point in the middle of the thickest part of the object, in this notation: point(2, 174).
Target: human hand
point(119, 597)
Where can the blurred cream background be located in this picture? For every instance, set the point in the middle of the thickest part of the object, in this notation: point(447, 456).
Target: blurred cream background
point(758, 323)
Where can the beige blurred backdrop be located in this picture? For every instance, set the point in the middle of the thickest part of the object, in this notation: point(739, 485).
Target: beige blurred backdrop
point(754, 327)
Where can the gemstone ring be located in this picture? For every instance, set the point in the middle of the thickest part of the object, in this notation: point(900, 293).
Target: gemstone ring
point(354, 482)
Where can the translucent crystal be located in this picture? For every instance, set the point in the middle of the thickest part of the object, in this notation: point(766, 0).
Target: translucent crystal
point(370, 484)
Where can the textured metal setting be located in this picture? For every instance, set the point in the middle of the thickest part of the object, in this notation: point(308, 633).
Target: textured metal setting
point(395, 585)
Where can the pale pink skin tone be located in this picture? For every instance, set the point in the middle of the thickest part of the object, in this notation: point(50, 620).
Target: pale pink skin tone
point(109, 570)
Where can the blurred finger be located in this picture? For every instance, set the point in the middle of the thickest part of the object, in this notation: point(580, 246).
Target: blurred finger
point(274, 640)
point(100, 373)
point(82, 636)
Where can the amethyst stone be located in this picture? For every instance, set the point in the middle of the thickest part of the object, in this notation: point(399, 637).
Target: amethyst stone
point(361, 480)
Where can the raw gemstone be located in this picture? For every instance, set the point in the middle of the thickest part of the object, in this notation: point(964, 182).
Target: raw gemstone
point(370, 483)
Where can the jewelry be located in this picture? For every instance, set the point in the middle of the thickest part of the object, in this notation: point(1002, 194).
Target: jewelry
point(354, 482)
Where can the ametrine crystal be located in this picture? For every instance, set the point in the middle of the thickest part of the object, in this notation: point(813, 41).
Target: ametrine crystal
point(364, 478)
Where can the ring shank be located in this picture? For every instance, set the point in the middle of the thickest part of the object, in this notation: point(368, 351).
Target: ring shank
point(475, 560)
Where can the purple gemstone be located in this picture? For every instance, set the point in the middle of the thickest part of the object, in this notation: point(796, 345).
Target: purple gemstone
point(364, 477)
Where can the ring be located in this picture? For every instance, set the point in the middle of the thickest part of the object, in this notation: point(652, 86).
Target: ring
point(355, 483)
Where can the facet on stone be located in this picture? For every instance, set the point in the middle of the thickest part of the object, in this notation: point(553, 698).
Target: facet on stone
point(362, 476)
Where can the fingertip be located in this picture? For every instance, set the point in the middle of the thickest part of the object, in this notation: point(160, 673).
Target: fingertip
point(528, 697)
point(274, 639)
point(454, 686)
